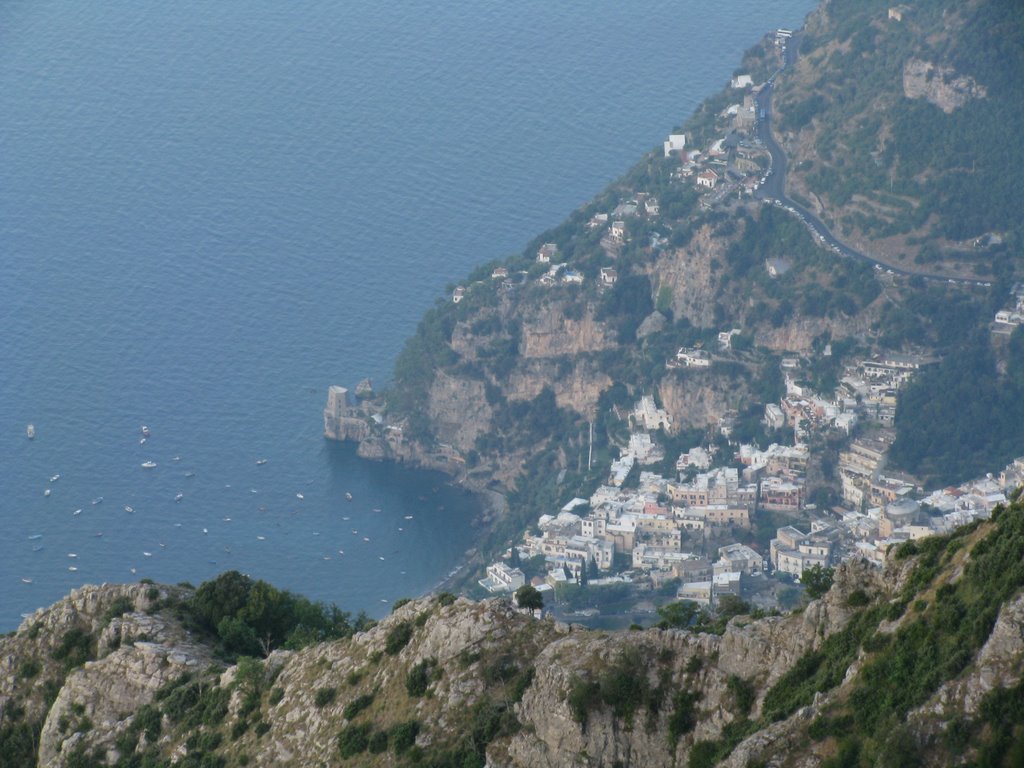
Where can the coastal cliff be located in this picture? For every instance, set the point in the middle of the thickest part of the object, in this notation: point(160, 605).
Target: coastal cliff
point(123, 675)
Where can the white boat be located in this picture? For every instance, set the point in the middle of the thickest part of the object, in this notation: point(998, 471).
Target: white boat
point(261, 538)
point(72, 554)
point(35, 536)
point(77, 512)
point(26, 581)
point(128, 509)
point(348, 496)
point(55, 478)
point(46, 492)
point(179, 496)
point(148, 464)
point(72, 568)
point(299, 496)
point(30, 431)
point(260, 462)
point(145, 430)
point(205, 531)
point(148, 554)
point(408, 517)
point(97, 500)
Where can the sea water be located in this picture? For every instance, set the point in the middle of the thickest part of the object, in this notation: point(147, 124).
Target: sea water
point(210, 212)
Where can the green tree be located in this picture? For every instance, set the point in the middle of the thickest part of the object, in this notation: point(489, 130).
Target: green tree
point(527, 596)
point(678, 615)
point(817, 581)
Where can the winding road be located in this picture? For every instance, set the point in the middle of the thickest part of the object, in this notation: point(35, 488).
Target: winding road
point(772, 191)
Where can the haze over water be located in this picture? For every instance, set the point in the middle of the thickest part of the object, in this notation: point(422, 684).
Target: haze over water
point(209, 212)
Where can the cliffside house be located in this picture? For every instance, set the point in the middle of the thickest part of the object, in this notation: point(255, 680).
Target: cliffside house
point(572, 277)
point(499, 273)
point(617, 232)
point(608, 276)
point(502, 578)
point(675, 144)
point(459, 293)
point(693, 358)
point(777, 267)
point(547, 252)
point(708, 178)
point(742, 81)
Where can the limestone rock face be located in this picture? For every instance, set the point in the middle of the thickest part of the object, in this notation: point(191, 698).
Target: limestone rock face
point(698, 398)
point(688, 273)
point(458, 409)
point(109, 690)
point(547, 332)
point(942, 86)
point(578, 388)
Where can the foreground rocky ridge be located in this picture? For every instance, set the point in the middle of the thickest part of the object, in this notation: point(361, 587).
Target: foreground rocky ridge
point(446, 681)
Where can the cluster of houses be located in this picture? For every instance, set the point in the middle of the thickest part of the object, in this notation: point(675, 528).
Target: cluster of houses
point(866, 393)
point(660, 529)
point(558, 272)
point(1008, 319)
point(648, 529)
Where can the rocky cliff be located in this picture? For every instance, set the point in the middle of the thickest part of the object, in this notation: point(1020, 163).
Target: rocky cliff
point(111, 676)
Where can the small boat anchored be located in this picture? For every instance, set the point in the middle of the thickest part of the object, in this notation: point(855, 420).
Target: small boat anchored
point(145, 430)
point(260, 462)
point(148, 464)
point(30, 431)
point(348, 496)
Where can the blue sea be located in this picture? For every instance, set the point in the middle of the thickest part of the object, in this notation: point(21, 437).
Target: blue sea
point(210, 212)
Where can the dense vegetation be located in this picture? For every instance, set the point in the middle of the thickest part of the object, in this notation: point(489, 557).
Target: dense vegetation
point(961, 418)
point(919, 168)
point(251, 617)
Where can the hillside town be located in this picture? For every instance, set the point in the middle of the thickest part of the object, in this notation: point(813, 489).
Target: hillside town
point(705, 530)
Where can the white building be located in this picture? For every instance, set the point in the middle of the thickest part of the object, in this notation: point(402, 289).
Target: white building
point(676, 143)
point(501, 578)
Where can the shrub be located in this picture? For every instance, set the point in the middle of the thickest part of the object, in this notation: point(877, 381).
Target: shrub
point(684, 715)
point(357, 705)
point(501, 670)
point(119, 607)
point(325, 696)
point(29, 669)
point(378, 742)
point(521, 683)
point(262, 727)
point(402, 736)
point(397, 638)
point(399, 603)
point(445, 598)
point(276, 694)
point(584, 695)
point(76, 647)
point(354, 739)
point(418, 679)
point(858, 599)
point(743, 694)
